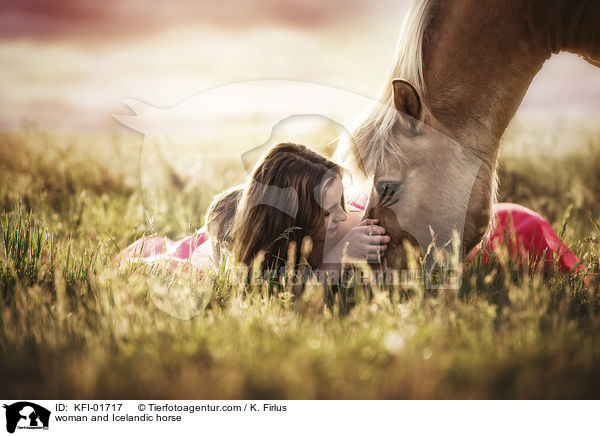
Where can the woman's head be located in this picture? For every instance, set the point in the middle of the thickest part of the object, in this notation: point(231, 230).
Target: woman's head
point(293, 192)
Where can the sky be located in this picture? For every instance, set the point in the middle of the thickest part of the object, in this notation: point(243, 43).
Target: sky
point(66, 65)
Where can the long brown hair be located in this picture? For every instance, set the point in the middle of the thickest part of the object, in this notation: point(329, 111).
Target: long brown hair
point(281, 203)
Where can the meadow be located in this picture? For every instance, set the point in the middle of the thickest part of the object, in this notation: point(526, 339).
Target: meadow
point(76, 324)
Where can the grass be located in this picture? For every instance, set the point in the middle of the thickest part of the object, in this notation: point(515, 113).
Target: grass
point(75, 324)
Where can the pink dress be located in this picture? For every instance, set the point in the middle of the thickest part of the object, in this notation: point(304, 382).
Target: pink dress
point(528, 237)
point(526, 234)
point(194, 250)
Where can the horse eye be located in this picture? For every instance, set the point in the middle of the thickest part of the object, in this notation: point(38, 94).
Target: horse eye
point(387, 190)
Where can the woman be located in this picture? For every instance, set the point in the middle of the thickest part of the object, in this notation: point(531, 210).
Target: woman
point(294, 196)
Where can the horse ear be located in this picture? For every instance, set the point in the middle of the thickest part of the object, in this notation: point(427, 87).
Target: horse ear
point(407, 101)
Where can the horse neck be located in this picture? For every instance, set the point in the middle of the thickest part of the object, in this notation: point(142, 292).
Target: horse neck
point(569, 25)
point(480, 57)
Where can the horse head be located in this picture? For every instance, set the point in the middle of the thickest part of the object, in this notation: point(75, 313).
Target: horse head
point(426, 186)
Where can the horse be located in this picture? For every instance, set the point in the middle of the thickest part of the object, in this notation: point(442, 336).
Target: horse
point(461, 71)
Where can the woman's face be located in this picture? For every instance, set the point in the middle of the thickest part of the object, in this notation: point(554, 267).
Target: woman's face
point(333, 207)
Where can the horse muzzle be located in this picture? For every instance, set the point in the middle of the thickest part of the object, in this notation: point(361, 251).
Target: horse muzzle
point(396, 255)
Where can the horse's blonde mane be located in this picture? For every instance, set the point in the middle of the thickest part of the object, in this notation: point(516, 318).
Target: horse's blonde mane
point(409, 49)
point(373, 141)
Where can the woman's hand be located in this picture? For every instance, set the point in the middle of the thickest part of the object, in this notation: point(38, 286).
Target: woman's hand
point(366, 241)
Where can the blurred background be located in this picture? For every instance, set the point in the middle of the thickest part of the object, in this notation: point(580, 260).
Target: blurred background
point(67, 65)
